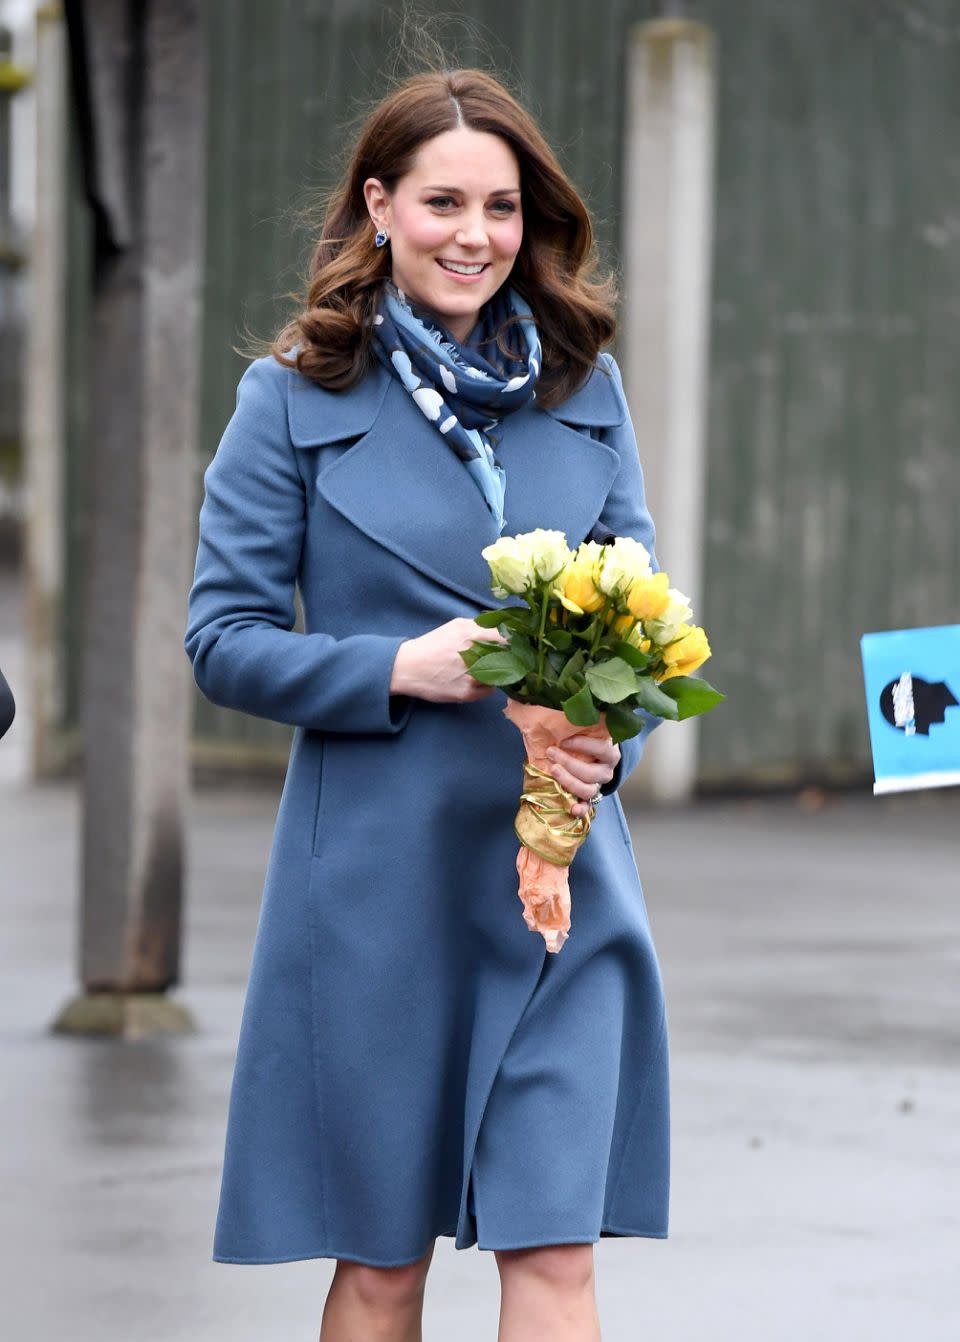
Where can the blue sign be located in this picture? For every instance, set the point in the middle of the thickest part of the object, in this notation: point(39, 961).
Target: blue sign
point(912, 679)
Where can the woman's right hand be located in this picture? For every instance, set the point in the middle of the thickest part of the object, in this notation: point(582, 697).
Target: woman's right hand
point(430, 667)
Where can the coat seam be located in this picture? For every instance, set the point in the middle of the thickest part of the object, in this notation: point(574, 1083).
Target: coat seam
point(637, 1108)
point(468, 1166)
point(315, 1049)
point(322, 744)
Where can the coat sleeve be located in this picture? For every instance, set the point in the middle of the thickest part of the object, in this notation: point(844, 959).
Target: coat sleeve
point(240, 635)
point(625, 514)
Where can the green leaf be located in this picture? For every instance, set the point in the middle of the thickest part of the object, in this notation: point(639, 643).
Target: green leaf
point(524, 651)
point(571, 677)
point(652, 698)
point(622, 722)
point(471, 654)
point(555, 662)
point(499, 668)
point(633, 656)
point(611, 680)
point(692, 695)
point(580, 708)
point(553, 695)
point(509, 617)
point(558, 638)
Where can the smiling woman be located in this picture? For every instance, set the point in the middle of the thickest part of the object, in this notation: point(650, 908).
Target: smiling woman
point(412, 1061)
point(449, 171)
point(452, 246)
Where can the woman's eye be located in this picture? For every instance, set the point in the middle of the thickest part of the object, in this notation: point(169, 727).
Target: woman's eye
point(503, 207)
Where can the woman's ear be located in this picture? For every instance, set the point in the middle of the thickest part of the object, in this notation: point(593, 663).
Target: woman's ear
point(377, 201)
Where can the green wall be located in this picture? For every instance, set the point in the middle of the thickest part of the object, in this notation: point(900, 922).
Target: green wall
point(833, 487)
point(834, 479)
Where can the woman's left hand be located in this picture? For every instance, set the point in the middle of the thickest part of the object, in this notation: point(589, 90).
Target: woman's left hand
point(582, 764)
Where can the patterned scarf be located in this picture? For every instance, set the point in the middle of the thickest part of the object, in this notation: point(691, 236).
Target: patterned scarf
point(464, 390)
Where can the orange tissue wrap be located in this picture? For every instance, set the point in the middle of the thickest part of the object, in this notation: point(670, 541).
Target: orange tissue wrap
point(548, 833)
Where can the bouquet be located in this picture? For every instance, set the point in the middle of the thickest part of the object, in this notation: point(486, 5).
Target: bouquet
point(598, 634)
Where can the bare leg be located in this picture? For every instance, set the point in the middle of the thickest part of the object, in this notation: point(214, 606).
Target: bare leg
point(376, 1304)
point(547, 1294)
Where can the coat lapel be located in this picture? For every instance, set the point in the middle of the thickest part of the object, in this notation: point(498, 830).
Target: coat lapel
point(401, 484)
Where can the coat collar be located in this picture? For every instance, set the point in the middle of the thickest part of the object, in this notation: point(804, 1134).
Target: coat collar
point(401, 484)
point(319, 417)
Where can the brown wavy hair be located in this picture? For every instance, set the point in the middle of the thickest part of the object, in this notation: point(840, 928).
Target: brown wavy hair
point(555, 269)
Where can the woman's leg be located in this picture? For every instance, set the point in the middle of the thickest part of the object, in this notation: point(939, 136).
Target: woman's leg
point(376, 1304)
point(547, 1294)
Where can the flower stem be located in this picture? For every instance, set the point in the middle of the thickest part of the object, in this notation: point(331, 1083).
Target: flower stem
point(543, 624)
point(600, 626)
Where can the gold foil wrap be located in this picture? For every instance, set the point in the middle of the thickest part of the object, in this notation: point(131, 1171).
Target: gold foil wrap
point(544, 823)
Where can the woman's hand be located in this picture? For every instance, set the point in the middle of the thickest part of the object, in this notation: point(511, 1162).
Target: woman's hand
point(581, 764)
point(430, 667)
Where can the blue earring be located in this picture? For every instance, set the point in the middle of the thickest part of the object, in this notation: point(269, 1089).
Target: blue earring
point(380, 238)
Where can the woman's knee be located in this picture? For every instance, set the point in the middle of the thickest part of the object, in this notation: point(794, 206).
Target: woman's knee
point(386, 1288)
point(553, 1266)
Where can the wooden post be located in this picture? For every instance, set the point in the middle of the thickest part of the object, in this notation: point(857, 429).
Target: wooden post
point(146, 71)
point(667, 232)
point(44, 400)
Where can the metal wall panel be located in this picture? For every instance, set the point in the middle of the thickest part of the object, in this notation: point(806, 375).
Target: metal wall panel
point(834, 476)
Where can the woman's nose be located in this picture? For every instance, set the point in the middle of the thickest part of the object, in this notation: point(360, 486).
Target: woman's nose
point(472, 234)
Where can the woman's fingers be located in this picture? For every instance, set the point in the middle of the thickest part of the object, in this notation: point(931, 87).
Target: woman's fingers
point(571, 755)
point(597, 747)
point(579, 777)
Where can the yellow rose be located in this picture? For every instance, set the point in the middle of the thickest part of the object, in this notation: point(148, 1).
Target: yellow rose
point(620, 623)
point(576, 586)
point(591, 552)
point(666, 627)
point(689, 650)
point(634, 636)
point(648, 598)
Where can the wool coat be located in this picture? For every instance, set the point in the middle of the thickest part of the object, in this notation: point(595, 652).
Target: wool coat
point(412, 1061)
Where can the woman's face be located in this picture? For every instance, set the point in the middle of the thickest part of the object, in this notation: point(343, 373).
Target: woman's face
point(454, 224)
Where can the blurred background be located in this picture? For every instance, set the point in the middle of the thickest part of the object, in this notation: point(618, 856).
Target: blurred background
point(778, 187)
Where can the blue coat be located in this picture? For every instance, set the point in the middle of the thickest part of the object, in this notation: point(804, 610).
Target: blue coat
point(412, 1062)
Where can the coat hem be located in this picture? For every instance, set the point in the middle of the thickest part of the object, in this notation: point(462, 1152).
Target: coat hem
point(605, 1229)
point(347, 1256)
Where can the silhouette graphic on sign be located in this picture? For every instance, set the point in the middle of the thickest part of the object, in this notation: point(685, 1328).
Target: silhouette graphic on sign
point(913, 705)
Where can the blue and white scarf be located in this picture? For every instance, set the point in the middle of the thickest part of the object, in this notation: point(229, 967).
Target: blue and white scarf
point(464, 390)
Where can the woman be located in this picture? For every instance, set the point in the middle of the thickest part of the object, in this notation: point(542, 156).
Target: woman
point(411, 1061)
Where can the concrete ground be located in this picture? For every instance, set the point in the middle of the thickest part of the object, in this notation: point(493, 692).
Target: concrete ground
point(811, 955)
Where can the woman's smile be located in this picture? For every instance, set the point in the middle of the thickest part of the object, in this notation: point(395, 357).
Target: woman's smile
point(463, 270)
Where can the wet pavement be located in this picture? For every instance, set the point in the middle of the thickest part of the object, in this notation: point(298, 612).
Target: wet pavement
point(811, 953)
